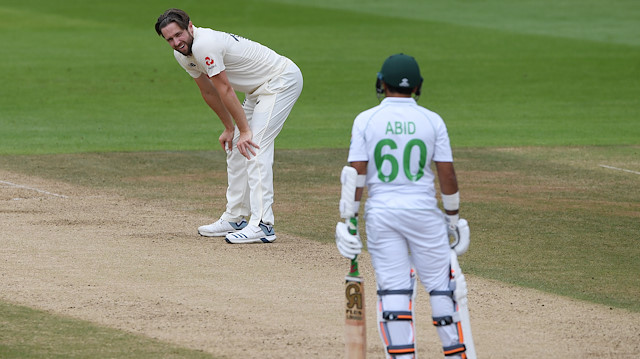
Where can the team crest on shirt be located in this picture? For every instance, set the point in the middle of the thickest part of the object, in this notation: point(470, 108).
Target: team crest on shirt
point(208, 61)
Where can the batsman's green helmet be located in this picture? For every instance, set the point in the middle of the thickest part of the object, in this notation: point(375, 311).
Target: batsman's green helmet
point(400, 71)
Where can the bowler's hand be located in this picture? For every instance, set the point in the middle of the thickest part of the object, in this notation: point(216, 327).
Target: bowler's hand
point(226, 140)
point(246, 145)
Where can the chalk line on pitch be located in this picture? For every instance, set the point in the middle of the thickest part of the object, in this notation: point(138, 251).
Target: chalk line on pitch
point(33, 189)
point(620, 169)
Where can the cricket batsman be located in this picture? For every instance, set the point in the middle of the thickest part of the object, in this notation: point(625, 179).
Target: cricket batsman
point(393, 146)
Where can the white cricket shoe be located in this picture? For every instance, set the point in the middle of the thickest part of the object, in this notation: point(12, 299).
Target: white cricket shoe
point(263, 233)
point(221, 228)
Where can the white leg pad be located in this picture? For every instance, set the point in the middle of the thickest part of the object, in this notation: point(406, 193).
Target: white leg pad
point(462, 308)
point(451, 315)
point(395, 319)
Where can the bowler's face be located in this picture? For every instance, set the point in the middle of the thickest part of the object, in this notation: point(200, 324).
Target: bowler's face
point(178, 38)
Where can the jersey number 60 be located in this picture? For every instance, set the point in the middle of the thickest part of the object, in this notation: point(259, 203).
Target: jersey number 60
point(406, 159)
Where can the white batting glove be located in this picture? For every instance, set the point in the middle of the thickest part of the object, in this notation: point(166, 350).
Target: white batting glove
point(458, 230)
point(348, 244)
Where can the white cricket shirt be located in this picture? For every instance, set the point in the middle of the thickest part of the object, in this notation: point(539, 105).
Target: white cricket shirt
point(248, 64)
point(400, 139)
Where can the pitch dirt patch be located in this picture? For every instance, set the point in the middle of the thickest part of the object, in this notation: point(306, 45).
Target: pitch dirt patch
point(141, 267)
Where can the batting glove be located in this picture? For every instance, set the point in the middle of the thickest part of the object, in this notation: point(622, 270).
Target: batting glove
point(348, 244)
point(458, 230)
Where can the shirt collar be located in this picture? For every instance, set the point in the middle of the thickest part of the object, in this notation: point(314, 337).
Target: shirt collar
point(399, 100)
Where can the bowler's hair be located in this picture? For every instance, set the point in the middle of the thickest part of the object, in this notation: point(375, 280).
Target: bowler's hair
point(172, 15)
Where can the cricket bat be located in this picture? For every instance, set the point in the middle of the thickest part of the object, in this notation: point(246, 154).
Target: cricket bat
point(355, 328)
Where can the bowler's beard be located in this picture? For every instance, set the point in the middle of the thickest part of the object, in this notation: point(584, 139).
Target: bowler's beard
point(188, 46)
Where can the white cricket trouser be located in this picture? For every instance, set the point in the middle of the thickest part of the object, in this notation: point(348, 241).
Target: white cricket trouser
point(250, 182)
point(398, 239)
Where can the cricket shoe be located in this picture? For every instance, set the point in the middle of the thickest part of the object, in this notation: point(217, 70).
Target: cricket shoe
point(221, 228)
point(263, 233)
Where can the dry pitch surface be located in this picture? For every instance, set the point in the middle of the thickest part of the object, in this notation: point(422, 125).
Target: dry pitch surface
point(141, 267)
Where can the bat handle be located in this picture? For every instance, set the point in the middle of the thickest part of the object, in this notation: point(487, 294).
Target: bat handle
point(352, 225)
point(353, 272)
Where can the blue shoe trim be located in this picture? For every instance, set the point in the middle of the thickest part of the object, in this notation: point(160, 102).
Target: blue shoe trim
point(239, 225)
point(240, 237)
point(267, 231)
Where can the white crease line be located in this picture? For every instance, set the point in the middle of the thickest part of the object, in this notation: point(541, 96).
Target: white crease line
point(33, 189)
point(620, 169)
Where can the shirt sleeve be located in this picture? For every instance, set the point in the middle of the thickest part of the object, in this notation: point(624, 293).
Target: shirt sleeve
point(209, 52)
point(358, 146)
point(442, 151)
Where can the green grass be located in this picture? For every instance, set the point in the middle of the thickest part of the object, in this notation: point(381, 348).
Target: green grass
point(101, 80)
point(28, 333)
point(536, 95)
point(555, 220)
point(613, 22)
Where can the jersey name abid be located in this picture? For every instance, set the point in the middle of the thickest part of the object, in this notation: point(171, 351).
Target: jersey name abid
point(400, 128)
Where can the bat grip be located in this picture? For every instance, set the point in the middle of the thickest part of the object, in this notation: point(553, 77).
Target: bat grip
point(353, 271)
point(352, 225)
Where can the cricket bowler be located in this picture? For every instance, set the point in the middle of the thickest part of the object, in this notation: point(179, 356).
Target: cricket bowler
point(222, 63)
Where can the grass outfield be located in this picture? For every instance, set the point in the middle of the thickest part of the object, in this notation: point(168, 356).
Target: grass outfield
point(537, 95)
point(28, 333)
point(94, 77)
